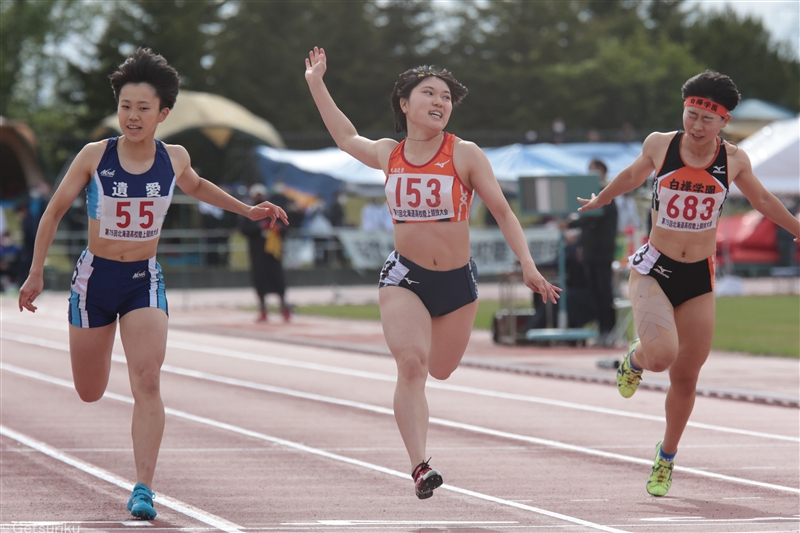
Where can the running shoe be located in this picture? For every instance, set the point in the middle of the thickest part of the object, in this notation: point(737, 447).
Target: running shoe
point(627, 378)
point(661, 478)
point(425, 480)
point(140, 503)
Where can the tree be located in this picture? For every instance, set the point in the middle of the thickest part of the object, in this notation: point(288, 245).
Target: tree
point(741, 48)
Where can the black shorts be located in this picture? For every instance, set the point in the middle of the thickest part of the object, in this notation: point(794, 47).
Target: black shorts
point(441, 292)
point(679, 281)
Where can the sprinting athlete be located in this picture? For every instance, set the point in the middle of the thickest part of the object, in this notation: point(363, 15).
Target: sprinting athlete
point(672, 275)
point(428, 291)
point(129, 181)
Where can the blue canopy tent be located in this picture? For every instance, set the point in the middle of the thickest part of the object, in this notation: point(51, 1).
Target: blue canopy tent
point(325, 172)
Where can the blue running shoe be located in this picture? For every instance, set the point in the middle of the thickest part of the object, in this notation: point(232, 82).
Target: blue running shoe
point(140, 503)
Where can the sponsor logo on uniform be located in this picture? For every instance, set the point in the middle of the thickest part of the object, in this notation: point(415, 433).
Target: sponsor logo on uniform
point(442, 164)
point(410, 281)
point(718, 170)
point(658, 269)
point(139, 275)
point(107, 173)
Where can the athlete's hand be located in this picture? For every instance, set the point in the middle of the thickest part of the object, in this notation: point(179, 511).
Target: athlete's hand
point(267, 210)
point(32, 288)
point(316, 64)
point(591, 203)
point(536, 282)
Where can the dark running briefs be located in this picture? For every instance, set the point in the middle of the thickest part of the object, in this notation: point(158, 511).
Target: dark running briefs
point(441, 292)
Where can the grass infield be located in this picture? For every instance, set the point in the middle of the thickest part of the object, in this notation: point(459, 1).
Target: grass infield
point(763, 325)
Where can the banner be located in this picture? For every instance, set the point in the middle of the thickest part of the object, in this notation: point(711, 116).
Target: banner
point(369, 249)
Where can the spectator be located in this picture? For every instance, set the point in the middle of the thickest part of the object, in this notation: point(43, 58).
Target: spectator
point(9, 259)
point(376, 216)
point(558, 131)
point(628, 218)
point(598, 245)
point(580, 304)
point(265, 247)
point(29, 224)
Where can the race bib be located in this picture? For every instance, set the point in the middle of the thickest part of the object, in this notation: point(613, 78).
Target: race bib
point(420, 196)
point(133, 219)
point(688, 211)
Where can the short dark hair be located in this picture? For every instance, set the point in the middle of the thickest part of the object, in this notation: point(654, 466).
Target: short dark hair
point(411, 78)
point(714, 86)
point(144, 66)
point(599, 164)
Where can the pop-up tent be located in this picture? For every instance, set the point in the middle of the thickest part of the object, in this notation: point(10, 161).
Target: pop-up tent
point(323, 172)
point(218, 133)
point(19, 164)
point(774, 152)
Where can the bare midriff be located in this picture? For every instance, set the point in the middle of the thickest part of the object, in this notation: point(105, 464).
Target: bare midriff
point(683, 246)
point(115, 250)
point(434, 245)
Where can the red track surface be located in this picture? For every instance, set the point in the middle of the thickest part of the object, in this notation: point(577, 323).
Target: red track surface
point(276, 436)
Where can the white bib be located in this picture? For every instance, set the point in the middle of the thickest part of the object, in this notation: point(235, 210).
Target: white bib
point(133, 219)
point(688, 211)
point(420, 196)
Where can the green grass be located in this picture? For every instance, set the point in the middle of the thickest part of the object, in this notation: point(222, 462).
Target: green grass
point(768, 325)
point(483, 320)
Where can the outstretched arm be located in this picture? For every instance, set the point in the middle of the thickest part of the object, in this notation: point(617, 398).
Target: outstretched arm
point(630, 178)
point(207, 192)
point(485, 184)
point(372, 153)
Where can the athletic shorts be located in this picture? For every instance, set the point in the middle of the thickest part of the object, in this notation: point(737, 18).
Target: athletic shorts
point(103, 289)
point(679, 281)
point(441, 292)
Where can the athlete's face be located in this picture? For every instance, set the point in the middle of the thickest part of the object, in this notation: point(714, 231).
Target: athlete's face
point(429, 105)
point(702, 126)
point(138, 111)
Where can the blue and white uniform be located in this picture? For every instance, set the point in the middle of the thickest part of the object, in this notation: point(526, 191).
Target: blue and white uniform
point(129, 207)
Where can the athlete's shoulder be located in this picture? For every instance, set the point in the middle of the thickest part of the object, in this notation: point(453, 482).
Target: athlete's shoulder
point(462, 148)
point(91, 154)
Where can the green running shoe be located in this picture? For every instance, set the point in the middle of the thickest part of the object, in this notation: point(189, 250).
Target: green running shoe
point(661, 478)
point(627, 378)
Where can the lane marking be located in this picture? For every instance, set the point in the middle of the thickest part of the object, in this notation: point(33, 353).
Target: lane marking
point(276, 440)
point(389, 378)
point(105, 475)
point(432, 420)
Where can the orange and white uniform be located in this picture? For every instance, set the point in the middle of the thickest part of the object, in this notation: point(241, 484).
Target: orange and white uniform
point(432, 192)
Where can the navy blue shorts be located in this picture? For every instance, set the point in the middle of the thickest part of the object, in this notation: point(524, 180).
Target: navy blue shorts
point(441, 292)
point(103, 289)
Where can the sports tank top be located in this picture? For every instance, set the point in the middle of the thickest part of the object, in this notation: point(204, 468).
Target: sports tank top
point(130, 207)
point(690, 198)
point(432, 192)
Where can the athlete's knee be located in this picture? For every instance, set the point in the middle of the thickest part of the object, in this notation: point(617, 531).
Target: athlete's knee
point(440, 372)
point(90, 393)
point(660, 357)
point(146, 384)
point(411, 368)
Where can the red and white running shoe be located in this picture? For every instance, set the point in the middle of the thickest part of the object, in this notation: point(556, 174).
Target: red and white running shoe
point(425, 480)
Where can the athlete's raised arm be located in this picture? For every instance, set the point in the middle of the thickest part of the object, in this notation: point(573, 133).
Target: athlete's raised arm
point(374, 154)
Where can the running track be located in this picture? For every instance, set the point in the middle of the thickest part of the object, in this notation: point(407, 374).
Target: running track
point(270, 436)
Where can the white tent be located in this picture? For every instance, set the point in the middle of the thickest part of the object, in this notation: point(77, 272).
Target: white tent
point(774, 152)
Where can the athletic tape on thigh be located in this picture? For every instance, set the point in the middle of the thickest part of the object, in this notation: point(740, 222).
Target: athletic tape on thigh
point(654, 310)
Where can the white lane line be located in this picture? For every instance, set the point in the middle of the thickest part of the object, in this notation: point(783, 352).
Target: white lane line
point(390, 378)
point(105, 475)
point(432, 420)
point(301, 447)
